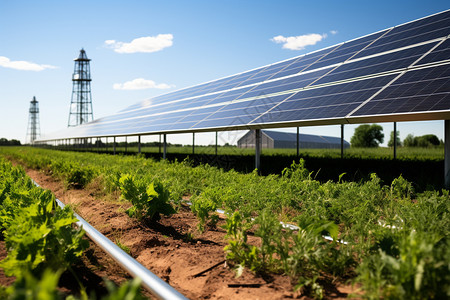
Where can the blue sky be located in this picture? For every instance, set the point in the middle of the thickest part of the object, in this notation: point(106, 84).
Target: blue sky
point(161, 46)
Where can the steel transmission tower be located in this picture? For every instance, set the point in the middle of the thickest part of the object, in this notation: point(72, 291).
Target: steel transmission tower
point(81, 103)
point(33, 130)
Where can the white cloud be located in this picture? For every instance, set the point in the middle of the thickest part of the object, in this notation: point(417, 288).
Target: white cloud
point(299, 42)
point(143, 44)
point(333, 32)
point(23, 65)
point(141, 84)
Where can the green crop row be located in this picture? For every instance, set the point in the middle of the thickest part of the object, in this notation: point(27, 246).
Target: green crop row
point(408, 153)
point(397, 240)
point(40, 239)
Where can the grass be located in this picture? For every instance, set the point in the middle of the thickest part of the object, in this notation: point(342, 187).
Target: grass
point(434, 153)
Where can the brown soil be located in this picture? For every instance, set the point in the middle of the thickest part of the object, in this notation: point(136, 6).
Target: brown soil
point(194, 266)
point(4, 280)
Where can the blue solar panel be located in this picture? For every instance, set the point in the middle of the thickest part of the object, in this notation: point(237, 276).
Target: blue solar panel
point(404, 69)
point(416, 91)
point(302, 63)
point(295, 82)
point(345, 51)
point(441, 53)
point(383, 63)
point(334, 101)
point(426, 29)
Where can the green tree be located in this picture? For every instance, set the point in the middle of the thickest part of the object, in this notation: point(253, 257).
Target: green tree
point(367, 136)
point(427, 140)
point(409, 141)
point(391, 140)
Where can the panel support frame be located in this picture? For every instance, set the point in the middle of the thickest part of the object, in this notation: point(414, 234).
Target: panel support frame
point(164, 146)
point(139, 144)
point(447, 154)
point(258, 149)
point(216, 141)
point(193, 143)
point(395, 140)
point(342, 141)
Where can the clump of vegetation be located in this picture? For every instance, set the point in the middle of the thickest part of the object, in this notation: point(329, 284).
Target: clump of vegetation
point(149, 200)
point(204, 207)
point(425, 141)
point(397, 139)
point(367, 136)
point(41, 241)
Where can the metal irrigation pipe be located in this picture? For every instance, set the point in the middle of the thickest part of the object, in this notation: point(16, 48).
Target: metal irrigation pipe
point(150, 281)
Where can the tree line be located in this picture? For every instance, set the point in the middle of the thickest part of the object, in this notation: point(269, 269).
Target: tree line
point(6, 142)
point(372, 136)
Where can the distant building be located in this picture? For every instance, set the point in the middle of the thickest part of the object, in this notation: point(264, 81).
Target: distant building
point(277, 139)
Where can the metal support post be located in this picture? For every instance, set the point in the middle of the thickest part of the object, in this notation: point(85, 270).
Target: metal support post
point(126, 144)
point(139, 144)
point(342, 140)
point(193, 143)
point(216, 142)
point(447, 154)
point(257, 149)
point(165, 146)
point(395, 140)
point(159, 144)
point(298, 141)
point(114, 145)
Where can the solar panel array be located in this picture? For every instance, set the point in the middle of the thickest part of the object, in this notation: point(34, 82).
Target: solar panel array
point(401, 73)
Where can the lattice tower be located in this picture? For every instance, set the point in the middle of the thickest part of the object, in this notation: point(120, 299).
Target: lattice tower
point(81, 103)
point(33, 129)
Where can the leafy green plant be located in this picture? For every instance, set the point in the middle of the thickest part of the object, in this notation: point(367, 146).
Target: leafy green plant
point(78, 176)
point(205, 210)
point(36, 288)
point(305, 259)
point(130, 290)
point(401, 188)
point(45, 287)
point(149, 200)
point(269, 230)
point(238, 250)
point(419, 271)
point(297, 171)
point(41, 236)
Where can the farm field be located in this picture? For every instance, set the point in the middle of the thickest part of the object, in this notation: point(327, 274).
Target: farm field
point(417, 153)
point(386, 239)
point(42, 256)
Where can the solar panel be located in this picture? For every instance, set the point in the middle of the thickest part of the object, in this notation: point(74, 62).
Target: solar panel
point(378, 64)
point(401, 72)
point(334, 101)
point(421, 90)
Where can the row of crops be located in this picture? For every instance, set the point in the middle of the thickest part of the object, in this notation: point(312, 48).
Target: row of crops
point(41, 242)
point(394, 243)
point(417, 153)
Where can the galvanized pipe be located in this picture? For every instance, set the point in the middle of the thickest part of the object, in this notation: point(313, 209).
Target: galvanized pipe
point(150, 281)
